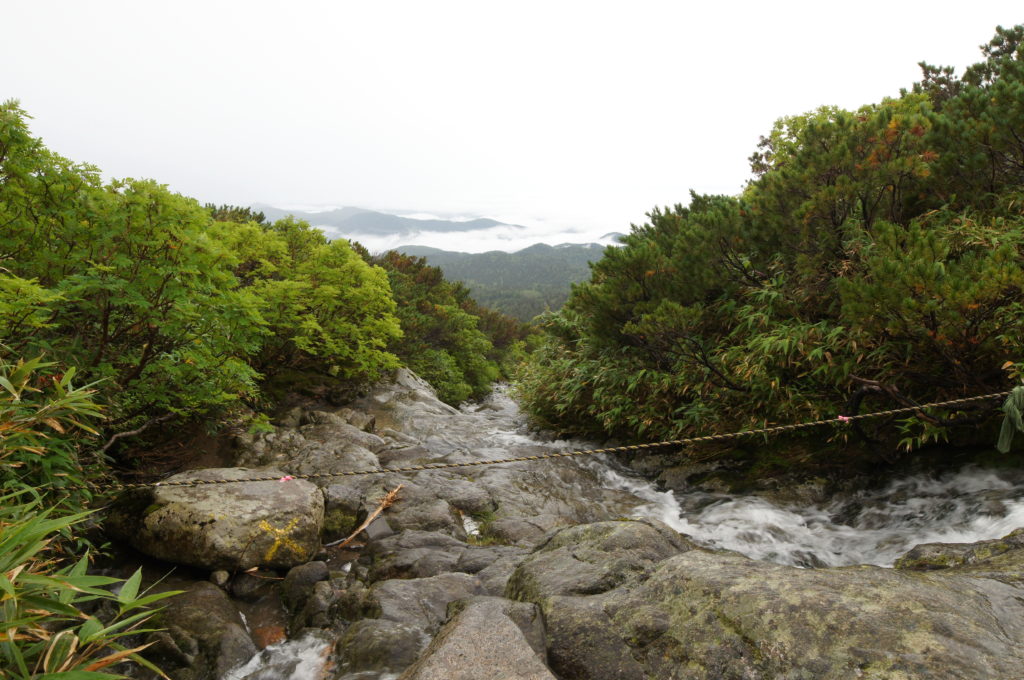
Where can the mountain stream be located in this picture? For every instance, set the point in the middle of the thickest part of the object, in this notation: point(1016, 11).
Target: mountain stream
point(874, 526)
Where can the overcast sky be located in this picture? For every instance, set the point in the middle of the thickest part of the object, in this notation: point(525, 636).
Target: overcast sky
point(574, 115)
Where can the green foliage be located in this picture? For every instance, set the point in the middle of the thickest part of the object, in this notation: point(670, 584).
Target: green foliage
point(42, 418)
point(235, 213)
point(120, 281)
point(521, 284)
point(48, 605)
point(322, 305)
point(876, 250)
point(978, 130)
point(441, 341)
point(164, 310)
point(260, 424)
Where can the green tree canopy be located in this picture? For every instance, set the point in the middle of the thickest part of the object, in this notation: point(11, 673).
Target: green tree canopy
point(876, 254)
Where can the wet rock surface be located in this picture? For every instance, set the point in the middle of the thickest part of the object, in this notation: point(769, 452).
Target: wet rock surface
point(982, 554)
point(531, 571)
point(504, 637)
point(204, 635)
point(233, 526)
point(705, 614)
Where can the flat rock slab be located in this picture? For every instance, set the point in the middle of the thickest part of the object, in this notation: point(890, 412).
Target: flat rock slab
point(725, 616)
point(616, 608)
point(231, 526)
point(481, 641)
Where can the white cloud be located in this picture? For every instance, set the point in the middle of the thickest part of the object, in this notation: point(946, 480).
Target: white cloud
point(577, 113)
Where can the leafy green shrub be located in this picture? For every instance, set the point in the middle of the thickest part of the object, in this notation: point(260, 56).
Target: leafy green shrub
point(876, 260)
point(42, 419)
point(441, 341)
point(48, 606)
point(121, 281)
point(322, 305)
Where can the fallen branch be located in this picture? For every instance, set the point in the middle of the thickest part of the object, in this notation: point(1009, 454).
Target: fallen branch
point(385, 502)
point(138, 430)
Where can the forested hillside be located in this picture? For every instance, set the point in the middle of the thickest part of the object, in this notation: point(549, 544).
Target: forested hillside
point(456, 345)
point(522, 284)
point(876, 260)
point(172, 314)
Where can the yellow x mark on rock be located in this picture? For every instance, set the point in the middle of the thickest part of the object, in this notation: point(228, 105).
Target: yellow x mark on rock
point(282, 537)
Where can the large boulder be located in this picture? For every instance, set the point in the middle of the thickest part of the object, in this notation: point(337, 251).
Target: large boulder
point(233, 525)
point(704, 614)
point(486, 638)
point(202, 635)
point(421, 603)
point(594, 558)
point(401, 617)
point(725, 616)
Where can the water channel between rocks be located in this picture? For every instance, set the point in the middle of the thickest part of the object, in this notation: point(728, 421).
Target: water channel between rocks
point(867, 527)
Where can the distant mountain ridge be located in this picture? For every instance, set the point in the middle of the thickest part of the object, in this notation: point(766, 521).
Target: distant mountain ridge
point(522, 284)
point(361, 221)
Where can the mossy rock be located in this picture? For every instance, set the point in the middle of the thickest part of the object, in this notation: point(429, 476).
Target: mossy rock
point(933, 556)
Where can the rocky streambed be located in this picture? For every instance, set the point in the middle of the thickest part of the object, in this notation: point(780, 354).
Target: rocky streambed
point(572, 569)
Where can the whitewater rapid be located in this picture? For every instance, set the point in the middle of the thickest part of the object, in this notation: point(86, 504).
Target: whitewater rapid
point(874, 526)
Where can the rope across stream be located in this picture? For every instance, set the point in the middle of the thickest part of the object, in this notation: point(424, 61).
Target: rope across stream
point(777, 429)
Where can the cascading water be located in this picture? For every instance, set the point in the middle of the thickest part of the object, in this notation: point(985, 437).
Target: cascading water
point(302, 658)
point(868, 527)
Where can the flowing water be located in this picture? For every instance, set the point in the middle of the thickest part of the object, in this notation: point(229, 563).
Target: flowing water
point(869, 527)
point(874, 526)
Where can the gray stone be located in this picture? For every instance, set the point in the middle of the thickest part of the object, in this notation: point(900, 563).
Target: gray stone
point(220, 578)
point(251, 586)
point(709, 615)
point(494, 578)
point(291, 418)
point(326, 427)
point(395, 436)
point(378, 645)
point(268, 449)
point(584, 644)
point(378, 529)
point(736, 614)
point(418, 507)
point(477, 558)
point(413, 554)
point(344, 500)
point(522, 531)
point(930, 556)
point(330, 457)
point(405, 456)
point(316, 608)
point(204, 636)
point(299, 581)
point(358, 419)
point(594, 558)
point(469, 497)
point(231, 526)
point(481, 641)
point(421, 603)
point(525, 615)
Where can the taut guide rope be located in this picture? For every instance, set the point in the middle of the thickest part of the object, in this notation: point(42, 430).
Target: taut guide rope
point(586, 452)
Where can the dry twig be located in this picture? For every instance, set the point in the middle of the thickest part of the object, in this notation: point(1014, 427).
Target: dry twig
point(385, 502)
